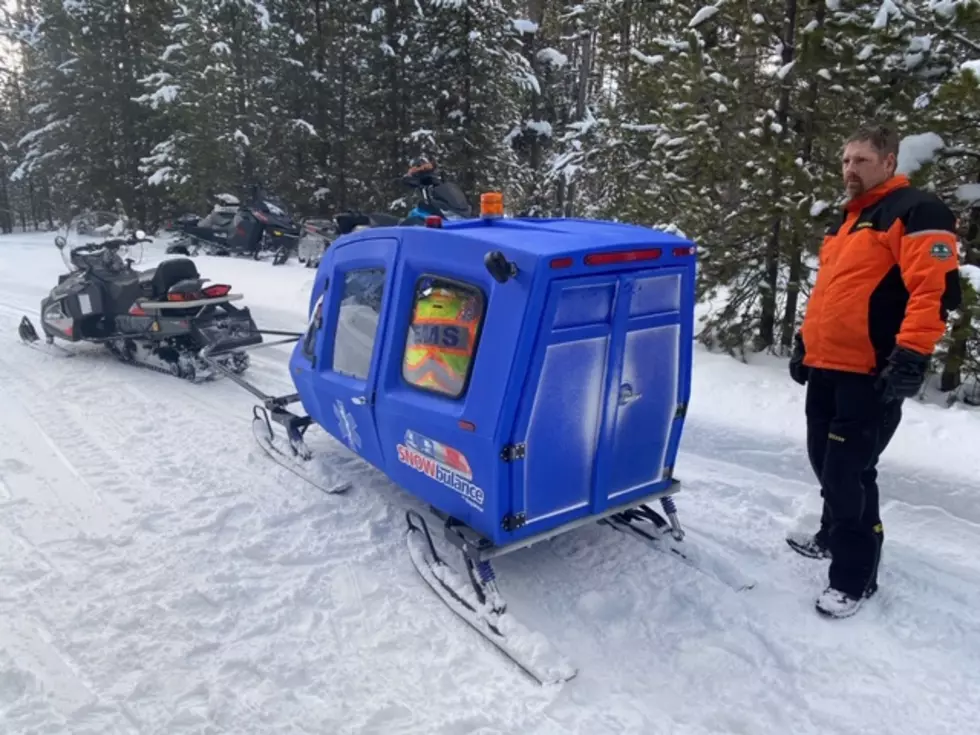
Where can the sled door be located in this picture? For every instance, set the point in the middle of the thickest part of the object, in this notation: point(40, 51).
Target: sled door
point(595, 424)
point(649, 366)
point(561, 408)
point(346, 369)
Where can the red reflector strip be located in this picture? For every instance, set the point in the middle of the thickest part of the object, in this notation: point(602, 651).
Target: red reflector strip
point(561, 262)
point(678, 252)
point(623, 256)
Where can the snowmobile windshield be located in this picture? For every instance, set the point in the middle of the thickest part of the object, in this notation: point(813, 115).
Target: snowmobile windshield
point(272, 208)
point(93, 229)
point(450, 199)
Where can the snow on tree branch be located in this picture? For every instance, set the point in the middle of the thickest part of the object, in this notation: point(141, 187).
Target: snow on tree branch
point(702, 15)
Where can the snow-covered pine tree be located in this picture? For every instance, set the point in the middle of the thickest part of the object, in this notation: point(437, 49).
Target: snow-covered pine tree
point(87, 135)
point(466, 91)
point(531, 137)
point(213, 86)
point(941, 149)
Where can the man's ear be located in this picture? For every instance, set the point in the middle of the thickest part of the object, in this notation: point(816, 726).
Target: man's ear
point(891, 162)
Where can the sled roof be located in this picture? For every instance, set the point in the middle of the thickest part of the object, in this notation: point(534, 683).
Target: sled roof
point(546, 237)
point(536, 237)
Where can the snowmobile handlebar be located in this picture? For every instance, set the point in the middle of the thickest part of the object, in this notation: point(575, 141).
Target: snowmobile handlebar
point(113, 244)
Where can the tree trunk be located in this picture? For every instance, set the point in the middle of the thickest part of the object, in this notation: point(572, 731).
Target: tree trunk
point(767, 319)
point(796, 244)
point(582, 98)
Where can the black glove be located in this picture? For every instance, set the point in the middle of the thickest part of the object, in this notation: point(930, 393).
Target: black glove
point(797, 370)
point(904, 374)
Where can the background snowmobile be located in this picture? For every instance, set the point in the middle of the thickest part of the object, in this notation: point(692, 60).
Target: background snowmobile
point(439, 198)
point(316, 233)
point(160, 318)
point(209, 231)
point(264, 225)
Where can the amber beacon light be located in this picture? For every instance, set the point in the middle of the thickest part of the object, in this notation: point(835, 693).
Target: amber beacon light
point(491, 204)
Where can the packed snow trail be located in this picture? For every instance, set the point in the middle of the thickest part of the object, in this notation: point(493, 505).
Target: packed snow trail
point(161, 575)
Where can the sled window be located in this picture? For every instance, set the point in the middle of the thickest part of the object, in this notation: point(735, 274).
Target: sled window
point(357, 321)
point(316, 322)
point(440, 347)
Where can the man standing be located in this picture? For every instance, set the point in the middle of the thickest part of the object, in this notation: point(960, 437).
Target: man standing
point(887, 280)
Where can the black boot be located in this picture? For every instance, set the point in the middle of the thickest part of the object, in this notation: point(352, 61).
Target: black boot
point(812, 546)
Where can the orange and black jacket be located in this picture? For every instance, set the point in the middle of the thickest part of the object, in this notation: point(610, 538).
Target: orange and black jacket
point(889, 274)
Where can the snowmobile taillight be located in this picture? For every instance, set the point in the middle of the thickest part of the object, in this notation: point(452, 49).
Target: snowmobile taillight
point(136, 310)
point(178, 296)
point(260, 216)
point(433, 220)
point(217, 290)
point(561, 263)
point(622, 256)
point(680, 252)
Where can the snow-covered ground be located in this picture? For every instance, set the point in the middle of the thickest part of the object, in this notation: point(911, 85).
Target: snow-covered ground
point(160, 575)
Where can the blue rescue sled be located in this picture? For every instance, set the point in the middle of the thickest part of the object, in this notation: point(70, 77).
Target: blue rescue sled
point(522, 377)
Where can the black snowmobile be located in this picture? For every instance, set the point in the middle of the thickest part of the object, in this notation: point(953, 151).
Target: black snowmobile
point(211, 231)
point(161, 318)
point(231, 228)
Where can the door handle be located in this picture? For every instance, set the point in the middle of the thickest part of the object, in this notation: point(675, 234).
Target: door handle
point(359, 400)
point(626, 394)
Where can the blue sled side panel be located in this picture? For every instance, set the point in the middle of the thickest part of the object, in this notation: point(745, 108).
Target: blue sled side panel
point(600, 416)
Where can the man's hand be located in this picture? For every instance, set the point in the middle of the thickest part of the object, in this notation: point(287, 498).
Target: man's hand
point(904, 374)
point(797, 370)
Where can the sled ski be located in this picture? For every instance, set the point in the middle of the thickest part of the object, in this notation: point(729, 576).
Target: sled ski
point(667, 535)
point(480, 604)
point(295, 456)
point(290, 452)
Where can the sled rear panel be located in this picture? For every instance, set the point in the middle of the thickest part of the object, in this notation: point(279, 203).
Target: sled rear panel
point(601, 414)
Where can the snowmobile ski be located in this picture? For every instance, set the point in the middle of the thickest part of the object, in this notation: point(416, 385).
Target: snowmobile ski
point(174, 361)
point(295, 456)
point(668, 536)
point(28, 336)
point(480, 604)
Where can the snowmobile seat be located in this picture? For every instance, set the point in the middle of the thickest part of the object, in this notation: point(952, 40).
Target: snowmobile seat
point(146, 277)
point(170, 272)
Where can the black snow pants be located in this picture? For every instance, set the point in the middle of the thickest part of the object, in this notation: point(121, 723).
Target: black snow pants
point(848, 427)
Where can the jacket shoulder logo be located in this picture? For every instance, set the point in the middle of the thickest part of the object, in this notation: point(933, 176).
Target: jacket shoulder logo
point(940, 251)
